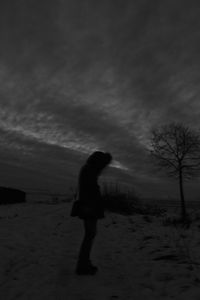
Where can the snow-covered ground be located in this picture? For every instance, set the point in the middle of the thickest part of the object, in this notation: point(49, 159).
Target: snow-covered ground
point(138, 257)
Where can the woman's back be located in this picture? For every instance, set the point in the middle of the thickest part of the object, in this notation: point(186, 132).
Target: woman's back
point(89, 190)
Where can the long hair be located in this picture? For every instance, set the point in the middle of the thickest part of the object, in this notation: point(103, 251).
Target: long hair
point(98, 160)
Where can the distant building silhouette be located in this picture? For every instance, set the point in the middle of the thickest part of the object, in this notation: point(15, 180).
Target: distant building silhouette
point(10, 195)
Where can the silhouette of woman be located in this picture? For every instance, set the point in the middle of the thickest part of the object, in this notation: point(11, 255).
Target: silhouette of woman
point(89, 207)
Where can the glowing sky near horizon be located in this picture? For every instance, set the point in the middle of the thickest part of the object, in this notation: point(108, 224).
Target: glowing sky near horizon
point(77, 76)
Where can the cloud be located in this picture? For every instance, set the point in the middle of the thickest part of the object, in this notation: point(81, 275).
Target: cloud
point(76, 76)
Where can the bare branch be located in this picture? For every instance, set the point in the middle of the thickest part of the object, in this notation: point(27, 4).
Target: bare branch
point(176, 147)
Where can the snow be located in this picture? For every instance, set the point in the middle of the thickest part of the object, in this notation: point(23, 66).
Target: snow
point(138, 257)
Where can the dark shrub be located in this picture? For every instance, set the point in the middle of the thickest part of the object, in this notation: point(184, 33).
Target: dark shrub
point(177, 222)
point(118, 201)
point(9, 196)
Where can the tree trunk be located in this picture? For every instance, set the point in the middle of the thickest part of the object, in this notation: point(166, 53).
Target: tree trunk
point(183, 209)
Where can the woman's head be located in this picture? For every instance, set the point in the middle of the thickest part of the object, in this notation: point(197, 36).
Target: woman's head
point(98, 160)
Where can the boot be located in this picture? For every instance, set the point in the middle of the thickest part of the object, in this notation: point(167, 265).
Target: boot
point(91, 265)
point(86, 269)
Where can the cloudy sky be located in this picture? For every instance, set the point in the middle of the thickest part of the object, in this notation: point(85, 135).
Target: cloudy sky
point(76, 76)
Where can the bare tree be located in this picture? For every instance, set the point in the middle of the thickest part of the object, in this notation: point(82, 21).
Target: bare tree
point(176, 148)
